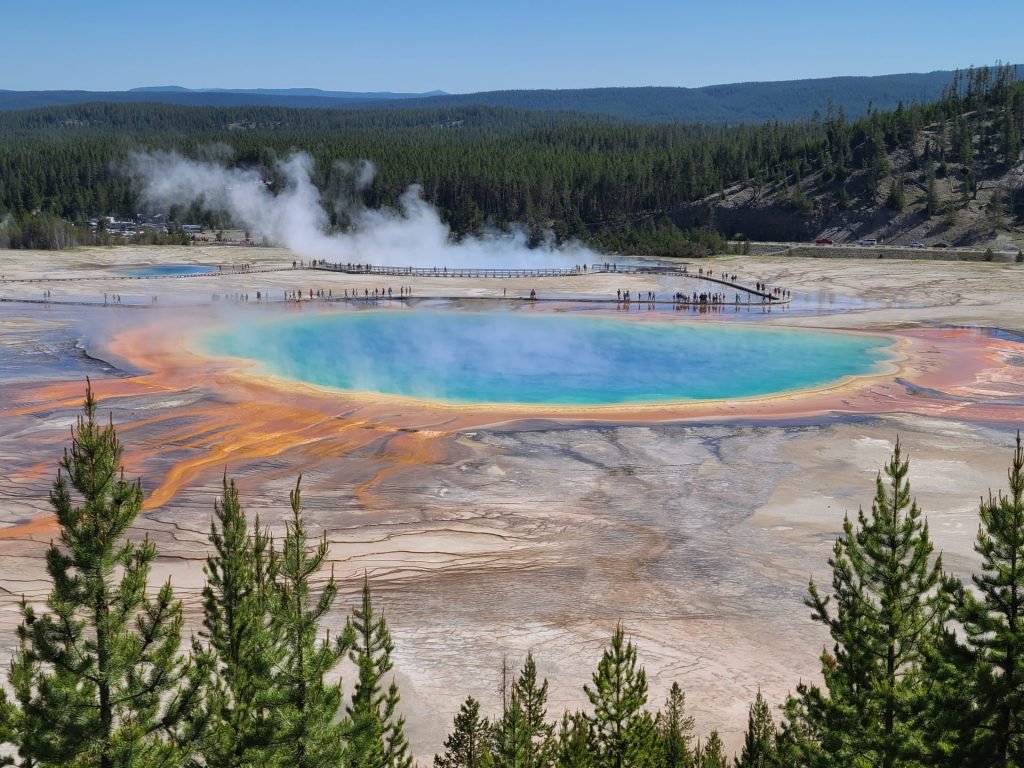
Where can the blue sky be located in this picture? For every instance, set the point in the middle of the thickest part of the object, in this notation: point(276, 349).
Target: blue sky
point(461, 46)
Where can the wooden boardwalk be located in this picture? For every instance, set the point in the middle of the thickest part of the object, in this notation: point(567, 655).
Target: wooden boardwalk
point(370, 269)
point(766, 296)
point(595, 269)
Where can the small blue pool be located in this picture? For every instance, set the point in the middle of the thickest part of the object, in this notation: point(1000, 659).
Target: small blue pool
point(167, 270)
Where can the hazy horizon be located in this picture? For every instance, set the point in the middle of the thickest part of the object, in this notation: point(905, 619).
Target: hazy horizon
point(327, 90)
point(461, 47)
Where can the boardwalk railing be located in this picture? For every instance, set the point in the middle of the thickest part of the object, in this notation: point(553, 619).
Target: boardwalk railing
point(579, 269)
point(606, 268)
point(465, 272)
point(370, 269)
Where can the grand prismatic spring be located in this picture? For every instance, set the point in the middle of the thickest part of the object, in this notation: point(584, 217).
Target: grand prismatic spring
point(520, 475)
point(548, 359)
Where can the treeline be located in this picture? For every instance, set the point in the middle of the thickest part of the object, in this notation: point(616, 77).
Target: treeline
point(975, 127)
point(47, 231)
point(924, 670)
point(100, 677)
point(620, 186)
point(591, 179)
point(748, 102)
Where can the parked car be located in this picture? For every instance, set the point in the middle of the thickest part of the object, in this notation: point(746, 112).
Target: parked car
point(916, 244)
point(824, 241)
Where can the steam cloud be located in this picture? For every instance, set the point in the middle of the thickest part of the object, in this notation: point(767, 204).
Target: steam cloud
point(412, 235)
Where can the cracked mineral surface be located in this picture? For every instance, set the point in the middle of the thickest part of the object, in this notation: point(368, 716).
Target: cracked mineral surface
point(488, 532)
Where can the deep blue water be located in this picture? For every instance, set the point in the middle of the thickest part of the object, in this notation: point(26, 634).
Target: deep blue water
point(515, 357)
point(167, 269)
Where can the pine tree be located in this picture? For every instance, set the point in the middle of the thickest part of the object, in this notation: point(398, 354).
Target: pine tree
point(759, 740)
point(888, 604)
point(618, 695)
point(643, 742)
point(469, 743)
point(712, 754)
point(22, 724)
point(676, 730)
point(99, 677)
point(990, 658)
point(376, 732)
point(512, 734)
point(242, 646)
point(798, 743)
point(576, 745)
point(532, 699)
point(9, 716)
point(896, 199)
point(1009, 137)
point(931, 193)
point(310, 734)
point(946, 715)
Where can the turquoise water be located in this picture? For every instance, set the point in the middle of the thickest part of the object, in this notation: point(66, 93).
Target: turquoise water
point(167, 269)
point(513, 357)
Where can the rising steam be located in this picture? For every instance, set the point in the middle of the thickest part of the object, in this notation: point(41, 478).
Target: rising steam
point(294, 217)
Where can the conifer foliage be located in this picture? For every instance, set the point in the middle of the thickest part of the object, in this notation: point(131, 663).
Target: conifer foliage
point(469, 745)
point(531, 697)
point(676, 730)
point(524, 737)
point(923, 671)
point(712, 753)
point(618, 695)
point(616, 185)
point(310, 734)
point(242, 641)
point(576, 744)
point(759, 739)
point(991, 728)
point(99, 678)
point(888, 604)
point(376, 731)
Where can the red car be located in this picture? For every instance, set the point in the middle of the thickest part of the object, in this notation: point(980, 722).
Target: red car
point(823, 241)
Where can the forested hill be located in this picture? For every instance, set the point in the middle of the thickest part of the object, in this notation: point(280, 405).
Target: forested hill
point(731, 103)
point(949, 170)
point(784, 101)
point(302, 99)
point(142, 122)
point(363, 95)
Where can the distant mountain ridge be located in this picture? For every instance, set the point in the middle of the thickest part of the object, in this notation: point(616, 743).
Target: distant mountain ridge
point(10, 100)
point(751, 102)
point(317, 92)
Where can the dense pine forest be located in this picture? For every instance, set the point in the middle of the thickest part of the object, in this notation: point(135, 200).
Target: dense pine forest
point(642, 188)
point(923, 670)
